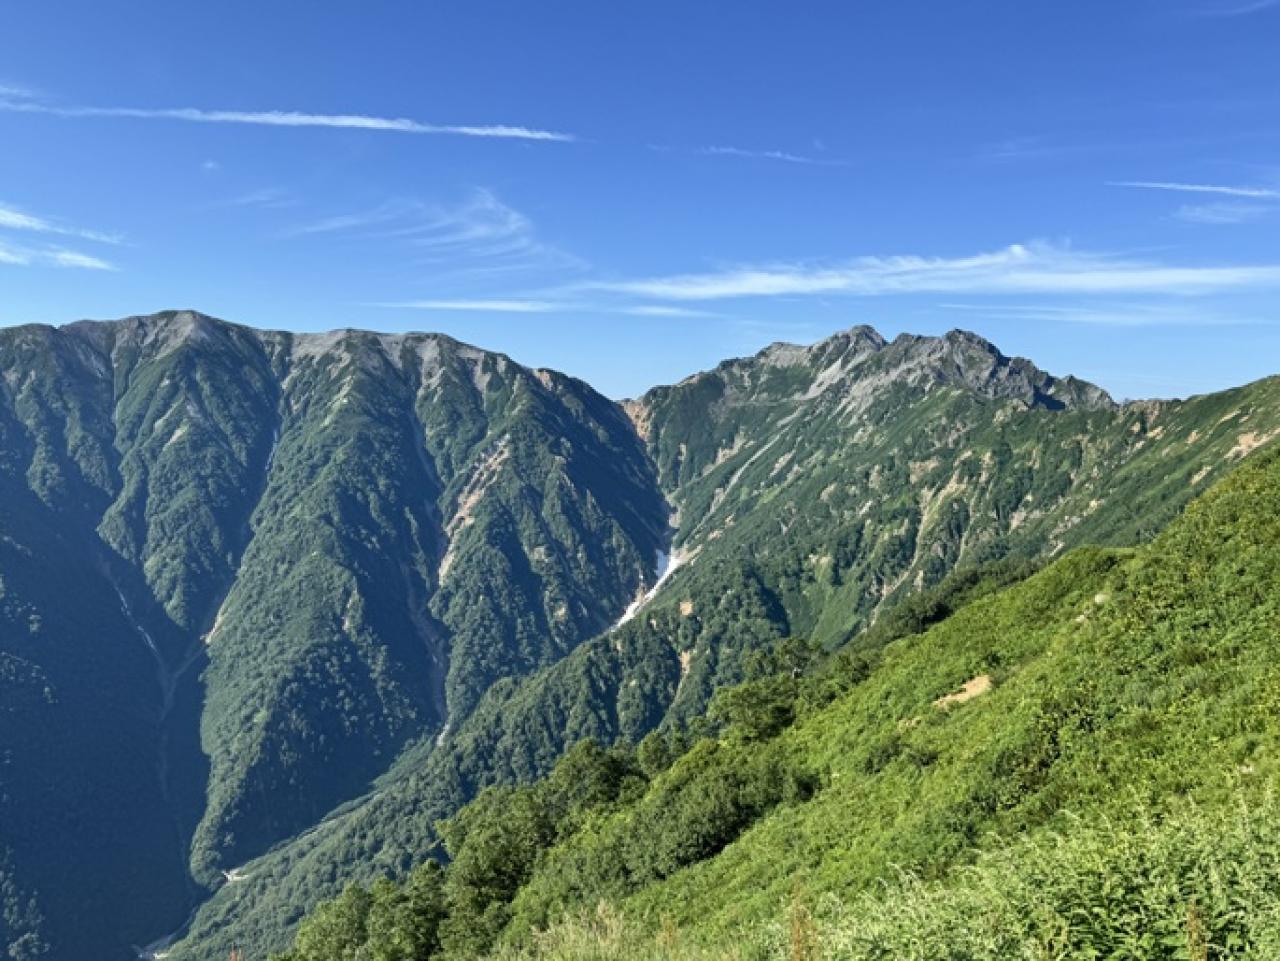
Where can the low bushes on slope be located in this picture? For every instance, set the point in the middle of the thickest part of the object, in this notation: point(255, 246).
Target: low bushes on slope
point(1097, 697)
point(1197, 885)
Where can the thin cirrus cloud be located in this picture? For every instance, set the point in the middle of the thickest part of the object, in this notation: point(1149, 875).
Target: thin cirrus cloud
point(664, 310)
point(1107, 314)
point(1039, 268)
point(745, 153)
point(519, 306)
point(73, 258)
point(25, 254)
point(1239, 9)
point(13, 219)
point(266, 197)
point(780, 155)
point(480, 234)
point(1255, 193)
point(14, 101)
point(478, 306)
point(1222, 213)
point(1012, 150)
point(16, 255)
point(1243, 204)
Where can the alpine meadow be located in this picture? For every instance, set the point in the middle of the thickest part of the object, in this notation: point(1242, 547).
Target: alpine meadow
point(640, 482)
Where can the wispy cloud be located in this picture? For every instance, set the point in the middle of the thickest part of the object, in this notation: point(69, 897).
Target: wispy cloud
point(11, 218)
point(1025, 148)
point(342, 223)
point(72, 258)
point(1245, 203)
point(1108, 315)
point(17, 255)
point(1226, 191)
point(270, 197)
point(780, 155)
point(49, 254)
point(478, 306)
point(478, 233)
point(1020, 268)
point(1239, 9)
point(662, 310)
point(15, 100)
point(539, 306)
point(1223, 213)
point(12, 91)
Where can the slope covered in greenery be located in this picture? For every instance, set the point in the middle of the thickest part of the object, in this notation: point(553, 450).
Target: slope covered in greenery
point(329, 587)
point(241, 570)
point(1081, 765)
point(816, 488)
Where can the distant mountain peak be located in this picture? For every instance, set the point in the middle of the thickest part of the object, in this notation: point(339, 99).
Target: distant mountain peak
point(861, 338)
point(856, 364)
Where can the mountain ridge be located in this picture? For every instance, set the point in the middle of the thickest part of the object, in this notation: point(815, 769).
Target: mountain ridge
point(220, 475)
point(308, 343)
point(349, 579)
point(870, 340)
point(662, 667)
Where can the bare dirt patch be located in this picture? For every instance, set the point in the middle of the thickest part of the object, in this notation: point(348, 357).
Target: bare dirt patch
point(1247, 443)
point(980, 685)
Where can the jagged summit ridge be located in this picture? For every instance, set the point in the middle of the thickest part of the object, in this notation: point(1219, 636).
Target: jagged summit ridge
point(958, 358)
point(850, 367)
point(961, 357)
point(166, 330)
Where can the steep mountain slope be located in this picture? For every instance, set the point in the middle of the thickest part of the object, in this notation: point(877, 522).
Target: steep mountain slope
point(887, 464)
point(1098, 742)
point(452, 516)
point(79, 695)
point(289, 554)
point(816, 488)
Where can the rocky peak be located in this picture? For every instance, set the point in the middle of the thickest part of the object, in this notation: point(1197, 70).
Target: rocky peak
point(961, 358)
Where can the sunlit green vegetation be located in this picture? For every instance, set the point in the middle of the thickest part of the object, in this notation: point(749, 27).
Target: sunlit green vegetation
point(379, 575)
point(1106, 791)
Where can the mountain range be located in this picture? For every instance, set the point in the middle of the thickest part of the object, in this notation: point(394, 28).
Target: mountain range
point(274, 607)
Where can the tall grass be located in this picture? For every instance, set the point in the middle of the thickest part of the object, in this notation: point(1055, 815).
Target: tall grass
point(1200, 884)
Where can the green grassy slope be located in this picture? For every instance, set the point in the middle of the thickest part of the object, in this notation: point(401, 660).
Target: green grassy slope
point(1118, 679)
point(1103, 789)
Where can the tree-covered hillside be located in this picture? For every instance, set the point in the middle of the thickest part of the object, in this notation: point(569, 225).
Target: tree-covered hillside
point(273, 606)
point(822, 488)
point(242, 570)
point(1078, 766)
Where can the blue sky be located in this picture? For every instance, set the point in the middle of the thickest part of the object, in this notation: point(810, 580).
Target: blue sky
point(631, 192)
